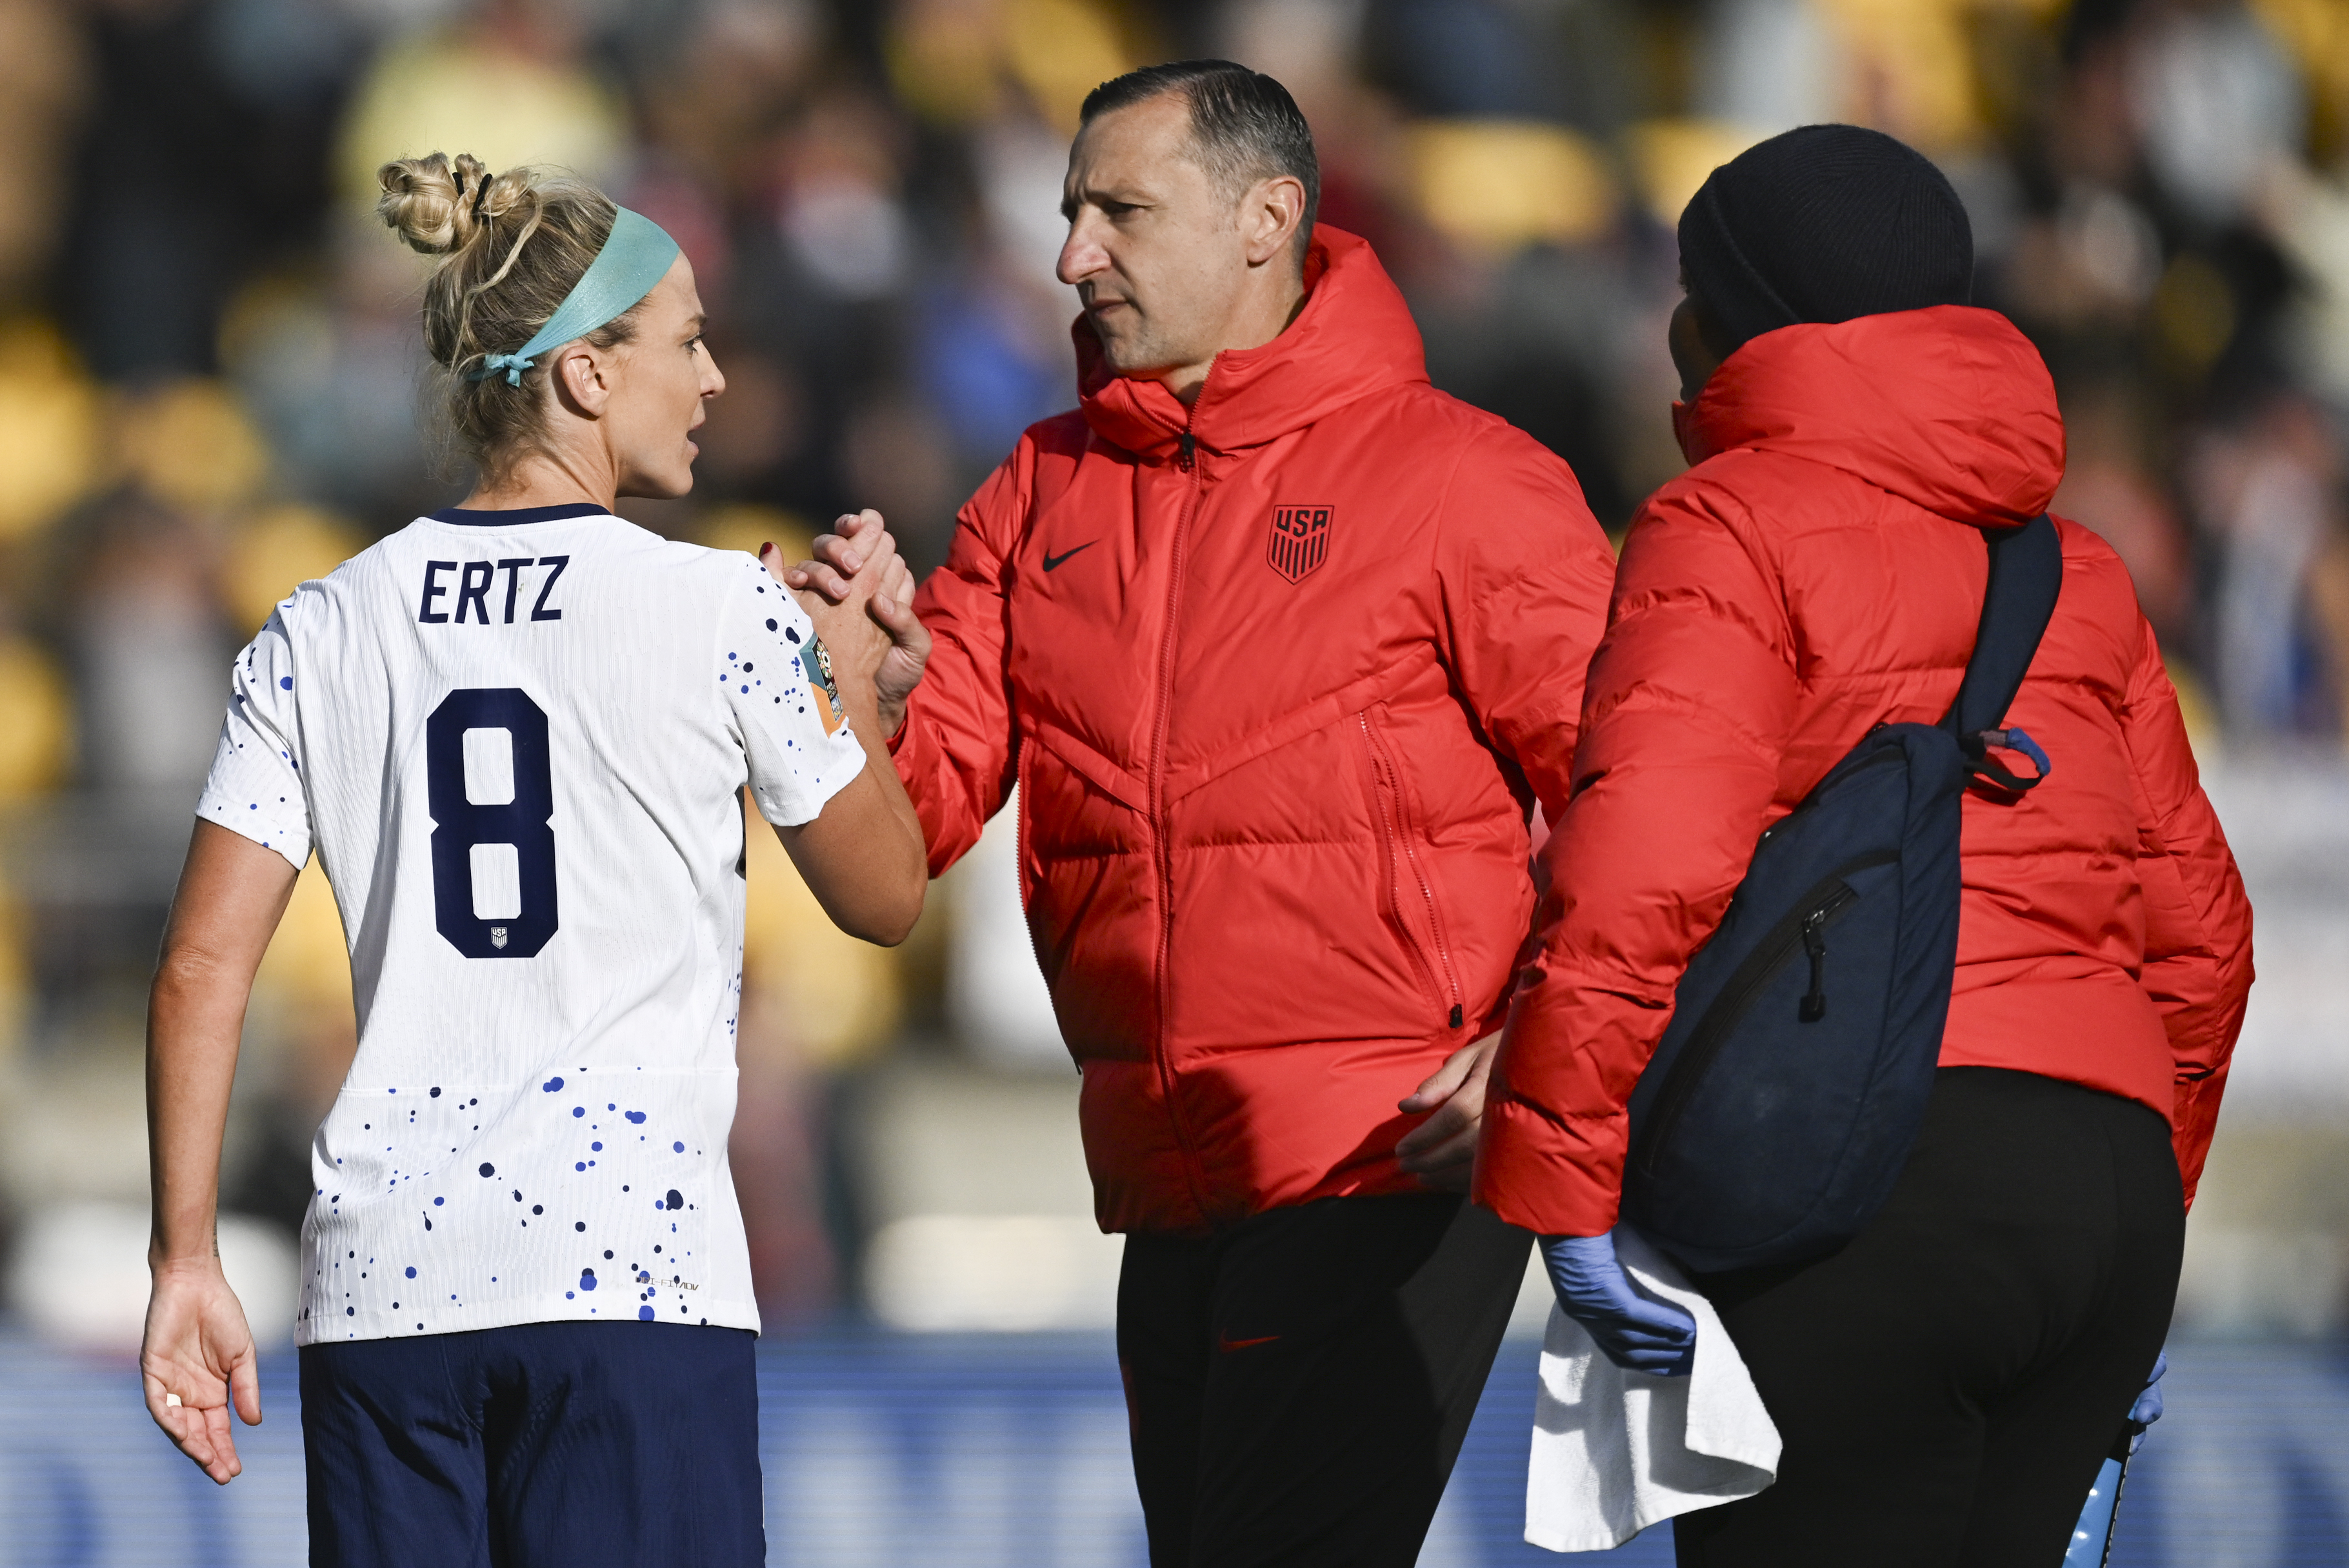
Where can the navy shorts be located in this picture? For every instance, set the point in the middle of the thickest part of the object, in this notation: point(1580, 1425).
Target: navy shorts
point(577, 1444)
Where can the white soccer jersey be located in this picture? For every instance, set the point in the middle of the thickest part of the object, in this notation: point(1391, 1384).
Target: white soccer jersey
point(517, 742)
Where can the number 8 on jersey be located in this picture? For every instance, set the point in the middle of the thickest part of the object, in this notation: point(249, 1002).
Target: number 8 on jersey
point(489, 921)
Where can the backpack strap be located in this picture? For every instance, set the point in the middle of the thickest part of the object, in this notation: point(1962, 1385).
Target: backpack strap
point(2026, 573)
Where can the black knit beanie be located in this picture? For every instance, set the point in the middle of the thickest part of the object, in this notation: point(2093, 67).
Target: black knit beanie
point(1823, 223)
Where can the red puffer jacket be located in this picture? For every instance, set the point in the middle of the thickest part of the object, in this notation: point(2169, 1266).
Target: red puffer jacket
point(1278, 677)
point(1821, 571)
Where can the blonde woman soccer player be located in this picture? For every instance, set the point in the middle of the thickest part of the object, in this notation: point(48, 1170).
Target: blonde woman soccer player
point(515, 733)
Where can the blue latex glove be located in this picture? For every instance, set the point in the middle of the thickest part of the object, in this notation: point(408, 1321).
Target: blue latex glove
point(2092, 1537)
point(2148, 1408)
point(1633, 1332)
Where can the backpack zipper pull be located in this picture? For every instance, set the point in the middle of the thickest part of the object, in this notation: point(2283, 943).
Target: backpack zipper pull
point(1814, 944)
point(1185, 446)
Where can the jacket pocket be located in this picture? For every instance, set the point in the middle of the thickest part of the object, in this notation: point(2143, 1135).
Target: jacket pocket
point(1800, 933)
point(1411, 900)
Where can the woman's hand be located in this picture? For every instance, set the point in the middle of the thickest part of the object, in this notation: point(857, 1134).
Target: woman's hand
point(854, 638)
point(1635, 1332)
point(844, 561)
point(198, 1362)
point(863, 856)
point(2148, 1408)
point(198, 1359)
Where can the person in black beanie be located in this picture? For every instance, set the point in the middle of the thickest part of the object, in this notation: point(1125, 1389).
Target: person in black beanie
point(1947, 1384)
point(1825, 224)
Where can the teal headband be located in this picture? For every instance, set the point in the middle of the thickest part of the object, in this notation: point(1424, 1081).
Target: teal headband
point(636, 256)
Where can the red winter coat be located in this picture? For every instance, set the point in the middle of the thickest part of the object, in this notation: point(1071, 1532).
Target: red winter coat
point(1278, 677)
point(1819, 572)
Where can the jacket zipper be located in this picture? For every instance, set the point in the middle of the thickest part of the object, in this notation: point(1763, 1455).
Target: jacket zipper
point(1019, 850)
point(1801, 929)
point(1815, 944)
point(1399, 833)
point(1185, 459)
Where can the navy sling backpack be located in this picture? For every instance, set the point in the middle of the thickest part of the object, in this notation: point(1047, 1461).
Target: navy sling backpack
point(1785, 1097)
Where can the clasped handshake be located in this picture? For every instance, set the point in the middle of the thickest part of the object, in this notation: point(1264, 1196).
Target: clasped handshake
point(859, 592)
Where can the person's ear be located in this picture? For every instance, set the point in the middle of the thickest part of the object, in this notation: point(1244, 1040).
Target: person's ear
point(1270, 215)
point(582, 381)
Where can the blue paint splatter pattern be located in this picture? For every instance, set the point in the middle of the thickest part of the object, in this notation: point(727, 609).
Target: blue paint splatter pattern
point(413, 1230)
point(255, 785)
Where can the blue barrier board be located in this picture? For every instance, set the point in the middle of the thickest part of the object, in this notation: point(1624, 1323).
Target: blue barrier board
point(974, 1452)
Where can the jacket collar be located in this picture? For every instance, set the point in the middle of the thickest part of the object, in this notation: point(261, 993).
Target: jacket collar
point(1354, 337)
point(1949, 407)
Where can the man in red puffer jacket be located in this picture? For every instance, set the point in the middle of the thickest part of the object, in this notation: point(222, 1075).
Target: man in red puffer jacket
point(1280, 646)
point(1947, 1385)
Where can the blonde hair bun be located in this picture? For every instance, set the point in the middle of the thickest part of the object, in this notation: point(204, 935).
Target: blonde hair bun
point(439, 206)
point(511, 249)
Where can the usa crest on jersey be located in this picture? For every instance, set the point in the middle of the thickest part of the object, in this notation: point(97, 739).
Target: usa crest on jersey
point(1300, 538)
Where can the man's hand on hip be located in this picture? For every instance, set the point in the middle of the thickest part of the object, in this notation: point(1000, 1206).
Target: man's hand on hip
point(1441, 1151)
point(833, 575)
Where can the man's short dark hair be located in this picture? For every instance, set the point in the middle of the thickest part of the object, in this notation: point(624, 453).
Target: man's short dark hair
point(1244, 125)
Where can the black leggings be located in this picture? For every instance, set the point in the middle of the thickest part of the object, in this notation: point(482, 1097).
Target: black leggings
point(1299, 1384)
point(1947, 1384)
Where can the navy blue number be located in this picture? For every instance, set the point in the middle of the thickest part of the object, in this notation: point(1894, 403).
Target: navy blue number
point(459, 823)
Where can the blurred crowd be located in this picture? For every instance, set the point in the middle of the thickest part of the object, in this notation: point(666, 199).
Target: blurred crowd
point(209, 358)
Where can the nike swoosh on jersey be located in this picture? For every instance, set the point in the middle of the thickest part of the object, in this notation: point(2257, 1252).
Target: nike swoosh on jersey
point(1227, 1343)
point(1052, 562)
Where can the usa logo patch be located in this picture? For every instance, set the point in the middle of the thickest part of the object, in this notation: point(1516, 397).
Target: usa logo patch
point(1300, 538)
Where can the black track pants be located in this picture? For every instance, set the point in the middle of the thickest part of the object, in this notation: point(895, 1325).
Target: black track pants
point(1948, 1384)
point(1299, 1384)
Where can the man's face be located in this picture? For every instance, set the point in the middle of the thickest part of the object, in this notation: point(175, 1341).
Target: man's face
point(1156, 252)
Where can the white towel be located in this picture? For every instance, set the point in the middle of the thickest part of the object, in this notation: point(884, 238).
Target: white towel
point(1616, 1451)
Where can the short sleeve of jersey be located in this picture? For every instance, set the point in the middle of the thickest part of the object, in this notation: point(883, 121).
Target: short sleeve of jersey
point(795, 735)
point(255, 784)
